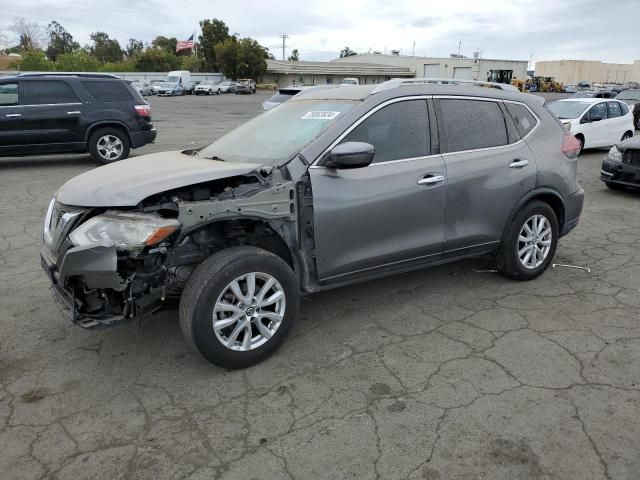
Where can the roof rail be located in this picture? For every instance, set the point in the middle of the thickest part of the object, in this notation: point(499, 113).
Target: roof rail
point(399, 82)
point(68, 74)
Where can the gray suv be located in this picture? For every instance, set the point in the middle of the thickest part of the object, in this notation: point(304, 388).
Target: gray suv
point(335, 187)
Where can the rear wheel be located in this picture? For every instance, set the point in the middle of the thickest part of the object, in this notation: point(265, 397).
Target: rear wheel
point(529, 244)
point(580, 139)
point(626, 136)
point(108, 145)
point(239, 305)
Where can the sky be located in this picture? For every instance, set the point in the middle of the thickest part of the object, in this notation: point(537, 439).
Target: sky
point(512, 29)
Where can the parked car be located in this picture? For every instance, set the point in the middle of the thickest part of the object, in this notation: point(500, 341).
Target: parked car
point(288, 93)
point(594, 122)
point(245, 85)
point(350, 81)
point(621, 167)
point(330, 188)
point(207, 87)
point(570, 88)
point(594, 94)
point(144, 88)
point(631, 97)
point(169, 89)
point(227, 87)
point(48, 113)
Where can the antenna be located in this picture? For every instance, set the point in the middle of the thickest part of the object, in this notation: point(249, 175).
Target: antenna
point(284, 37)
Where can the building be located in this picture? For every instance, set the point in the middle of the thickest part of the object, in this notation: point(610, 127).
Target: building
point(433, 67)
point(284, 73)
point(573, 71)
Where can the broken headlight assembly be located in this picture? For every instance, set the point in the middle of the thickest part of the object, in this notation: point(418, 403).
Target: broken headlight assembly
point(125, 230)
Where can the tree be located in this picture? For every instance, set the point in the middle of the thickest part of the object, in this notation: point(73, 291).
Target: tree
point(32, 61)
point(295, 56)
point(156, 60)
point(251, 61)
point(347, 52)
point(60, 41)
point(226, 54)
point(213, 33)
point(4, 43)
point(78, 61)
point(167, 44)
point(191, 63)
point(134, 47)
point(104, 48)
point(32, 35)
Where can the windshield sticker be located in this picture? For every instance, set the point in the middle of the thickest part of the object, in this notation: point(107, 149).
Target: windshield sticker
point(320, 115)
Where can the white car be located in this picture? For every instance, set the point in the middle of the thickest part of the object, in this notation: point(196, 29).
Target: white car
point(208, 87)
point(595, 122)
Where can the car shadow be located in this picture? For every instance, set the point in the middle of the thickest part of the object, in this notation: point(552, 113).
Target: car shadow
point(47, 161)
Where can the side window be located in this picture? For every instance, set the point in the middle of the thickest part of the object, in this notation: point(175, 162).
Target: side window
point(108, 91)
point(522, 117)
point(47, 92)
point(472, 124)
point(623, 108)
point(598, 111)
point(8, 94)
point(613, 109)
point(399, 130)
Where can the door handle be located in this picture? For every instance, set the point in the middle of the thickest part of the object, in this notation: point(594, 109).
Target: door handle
point(75, 112)
point(431, 180)
point(519, 163)
point(13, 115)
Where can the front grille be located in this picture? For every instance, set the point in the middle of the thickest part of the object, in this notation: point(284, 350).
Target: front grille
point(631, 157)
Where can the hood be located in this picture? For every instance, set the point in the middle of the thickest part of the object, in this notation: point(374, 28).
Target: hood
point(632, 143)
point(127, 182)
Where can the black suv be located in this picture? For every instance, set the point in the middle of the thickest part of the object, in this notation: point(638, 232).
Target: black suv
point(49, 113)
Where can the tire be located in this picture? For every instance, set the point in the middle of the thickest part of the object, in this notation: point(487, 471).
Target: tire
point(218, 92)
point(626, 136)
point(104, 149)
point(211, 280)
point(580, 139)
point(509, 262)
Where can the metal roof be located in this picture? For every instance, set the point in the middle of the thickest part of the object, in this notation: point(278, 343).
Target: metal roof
point(334, 68)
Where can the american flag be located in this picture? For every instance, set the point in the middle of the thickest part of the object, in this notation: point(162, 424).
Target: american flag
point(185, 44)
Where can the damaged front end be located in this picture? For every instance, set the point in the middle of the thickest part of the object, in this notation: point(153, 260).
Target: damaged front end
point(111, 265)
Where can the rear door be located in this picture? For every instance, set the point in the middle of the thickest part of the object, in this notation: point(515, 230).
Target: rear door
point(597, 132)
point(13, 138)
point(622, 123)
point(52, 114)
point(489, 168)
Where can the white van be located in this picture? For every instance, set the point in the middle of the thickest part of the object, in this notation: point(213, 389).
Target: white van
point(350, 81)
point(182, 77)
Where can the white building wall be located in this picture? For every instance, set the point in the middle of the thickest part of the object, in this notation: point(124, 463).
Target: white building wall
point(572, 71)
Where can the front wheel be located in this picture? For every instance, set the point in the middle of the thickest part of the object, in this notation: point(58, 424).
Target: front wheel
point(529, 243)
point(108, 145)
point(239, 305)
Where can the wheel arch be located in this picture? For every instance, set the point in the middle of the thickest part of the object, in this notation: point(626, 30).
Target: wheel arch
point(546, 195)
point(107, 124)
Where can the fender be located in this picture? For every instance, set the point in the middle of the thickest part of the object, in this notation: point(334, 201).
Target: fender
point(91, 128)
point(537, 192)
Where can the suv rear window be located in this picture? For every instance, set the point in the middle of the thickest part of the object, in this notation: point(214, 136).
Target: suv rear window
point(47, 92)
point(108, 91)
point(472, 124)
point(522, 118)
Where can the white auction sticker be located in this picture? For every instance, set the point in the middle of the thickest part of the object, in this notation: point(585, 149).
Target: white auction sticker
point(320, 115)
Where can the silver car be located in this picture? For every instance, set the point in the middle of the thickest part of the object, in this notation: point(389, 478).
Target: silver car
point(144, 88)
point(337, 186)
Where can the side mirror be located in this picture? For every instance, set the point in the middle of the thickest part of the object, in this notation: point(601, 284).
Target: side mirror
point(350, 155)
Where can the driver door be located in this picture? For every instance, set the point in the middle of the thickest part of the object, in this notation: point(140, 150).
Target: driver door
point(390, 214)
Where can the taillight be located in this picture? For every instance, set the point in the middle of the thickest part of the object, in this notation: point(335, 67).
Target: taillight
point(570, 146)
point(143, 110)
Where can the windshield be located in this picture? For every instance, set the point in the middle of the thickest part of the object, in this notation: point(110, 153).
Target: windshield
point(206, 83)
point(347, 81)
point(173, 79)
point(280, 97)
point(629, 95)
point(566, 110)
point(226, 83)
point(278, 134)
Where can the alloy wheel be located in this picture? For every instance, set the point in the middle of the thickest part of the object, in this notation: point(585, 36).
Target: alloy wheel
point(534, 241)
point(110, 147)
point(249, 311)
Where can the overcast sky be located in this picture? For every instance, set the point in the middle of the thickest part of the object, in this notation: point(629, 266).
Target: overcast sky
point(512, 29)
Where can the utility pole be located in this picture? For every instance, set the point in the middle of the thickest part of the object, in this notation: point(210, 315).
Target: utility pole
point(284, 37)
point(459, 47)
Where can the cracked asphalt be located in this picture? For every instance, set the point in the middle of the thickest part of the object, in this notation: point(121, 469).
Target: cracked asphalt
point(448, 373)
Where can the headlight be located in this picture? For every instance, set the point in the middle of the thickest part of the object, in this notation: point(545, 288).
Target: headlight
point(127, 231)
point(615, 154)
point(567, 126)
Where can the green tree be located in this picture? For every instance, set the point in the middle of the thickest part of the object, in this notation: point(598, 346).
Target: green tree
point(156, 60)
point(104, 48)
point(128, 65)
point(78, 61)
point(214, 32)
point(134, 47)
point(226, 54)
point(347, 52)
point(191, 63)
point(32, 61)
point(295, 56)
point(167, 44)
point(60, 41)
point(251, 59)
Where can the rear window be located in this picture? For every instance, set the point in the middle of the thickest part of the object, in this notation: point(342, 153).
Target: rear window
point(472, 124)
point(522, 118)
point(108, 91)
point(47, 92)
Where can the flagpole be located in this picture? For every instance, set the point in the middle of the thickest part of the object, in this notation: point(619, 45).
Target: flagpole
point(195, 38)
